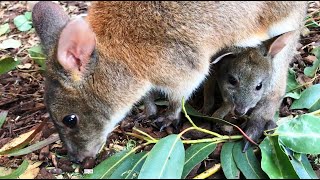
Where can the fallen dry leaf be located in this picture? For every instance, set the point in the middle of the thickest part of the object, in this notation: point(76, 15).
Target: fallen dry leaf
point(32, 170)
point(25, 66)
point(303, 79)
point(310, 59)
point(16, 141)
point(21, 140)
point(5, 171)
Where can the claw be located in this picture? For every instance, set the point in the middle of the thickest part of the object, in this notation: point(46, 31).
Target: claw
point(162, 128)
point(246, 146)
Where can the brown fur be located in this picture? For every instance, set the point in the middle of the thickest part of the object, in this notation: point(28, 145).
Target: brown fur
point(141, 46)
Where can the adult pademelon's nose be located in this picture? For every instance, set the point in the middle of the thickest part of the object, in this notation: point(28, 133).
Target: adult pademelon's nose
point(73, 158)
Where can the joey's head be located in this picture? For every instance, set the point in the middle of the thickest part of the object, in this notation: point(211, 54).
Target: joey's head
point(70, 46)
point(244, 74)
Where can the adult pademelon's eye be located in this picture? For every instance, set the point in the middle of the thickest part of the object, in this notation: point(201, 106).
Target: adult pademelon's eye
point(70, 120)
point(259, 87)
point(232, 80)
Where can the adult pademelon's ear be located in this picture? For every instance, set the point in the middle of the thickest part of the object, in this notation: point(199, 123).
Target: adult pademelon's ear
point(48, 19)
point(276, 44)
point(76, 44)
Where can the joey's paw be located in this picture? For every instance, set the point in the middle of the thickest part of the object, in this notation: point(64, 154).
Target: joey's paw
point(270, 125)
point(162, 122)
point(227, 129)
point(255, 131)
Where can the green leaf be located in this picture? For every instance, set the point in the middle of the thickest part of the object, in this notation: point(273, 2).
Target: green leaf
point(291, 81)
point(315, 106)
point(37, 55)
point(10, 43)
point(294, 94)
point(307, 166)
point(228, 164)
point(35, 147)
point(274, 161)
point(4, 28)
point(20, 170)
point(28, 16)
point(303, 168)
point(3, 115)
point(105, 169)
point(131, 167)
point(166, 159)
point(301, 134)
point(193, 112)
point(7, 64)
point(247, 162)
point(311, 71)
point(309, 97)
point(195, 154)
point(22, 23)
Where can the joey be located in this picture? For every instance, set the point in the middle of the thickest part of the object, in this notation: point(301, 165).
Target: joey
point(252, 79)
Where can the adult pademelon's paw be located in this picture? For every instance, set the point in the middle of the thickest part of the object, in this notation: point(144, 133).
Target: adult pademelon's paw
point(164, 121)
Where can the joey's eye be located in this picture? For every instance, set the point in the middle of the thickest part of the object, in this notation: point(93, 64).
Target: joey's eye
point(232, 80)
point(70, 120)
point(259, 87)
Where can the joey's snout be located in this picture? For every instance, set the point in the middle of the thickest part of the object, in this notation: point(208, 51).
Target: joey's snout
point(240, 111)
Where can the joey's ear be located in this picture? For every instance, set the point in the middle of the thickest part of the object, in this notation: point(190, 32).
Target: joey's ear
point(76, 44)
point(276, 44)
point(217, 59)
point(48, 19)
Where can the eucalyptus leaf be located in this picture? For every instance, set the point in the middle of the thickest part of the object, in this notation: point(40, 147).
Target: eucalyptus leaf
point(274, 161)
point(193, 112)
point(301, 134)
point(309, 97)
point(35, 147)
point(293, 94)
point(291, 81)
point(311, 71)
point(37, 55)
point(315, 106)
point(228, 164)
point(28, 16)
point(22, 23)
point(105, 169)
point(166, 159)
point(316, 52)
point(4, 28)
point(16, 173)
point(131, 167)
point(7, 64)
point(195, 154)
point(10, 43)
point(302, 168)
point(247, 162)
point(3, 115)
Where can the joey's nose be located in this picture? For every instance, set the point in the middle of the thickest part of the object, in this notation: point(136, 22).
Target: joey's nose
point(240, 111)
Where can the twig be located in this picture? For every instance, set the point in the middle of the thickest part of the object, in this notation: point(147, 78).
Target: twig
point(208, 172)
point(147, 135)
